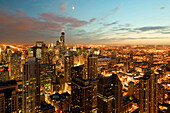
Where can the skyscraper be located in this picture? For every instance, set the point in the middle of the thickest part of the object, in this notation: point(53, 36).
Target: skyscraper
point(38, 51)
point(8, 97)
point(148, 93)
point(31, 87)
point(62, 39)
point(78, 71)
point(15, 67)
point(144, 94)
point(60, 44)
point(161, 95)
point(68, 64)
point(47, 76)
point(84, 95)
point(130, 89)
point(92, 67)
point(109, 96)
point(4, 73)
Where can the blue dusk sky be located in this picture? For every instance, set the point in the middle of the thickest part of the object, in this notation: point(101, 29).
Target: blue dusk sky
point(85, 21)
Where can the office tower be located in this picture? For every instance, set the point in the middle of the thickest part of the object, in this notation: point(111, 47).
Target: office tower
point(4, 73)
point(60, 44)
point(84, 95)
point(130, 89)
point(92, 67)
point(131, 56)
point(62, 39)
point(68, 64)
point(8, 97)
point(78, 71)
point(161, 94)
point(127, 65)
point(109, 96)
point(136, 91)
point(47, 76)
point(153, 93)
point(148, 93)
point(7, 54)
point(144, 94)
point(39, 51)
point(15, 67)
point(31, 87)
point(151, 58)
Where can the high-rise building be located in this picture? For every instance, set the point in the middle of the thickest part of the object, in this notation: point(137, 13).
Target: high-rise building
point(92, 67)
point(8, 97)
point(84, 95)
point(130, 89)
point(109, 96)
point(47, 76)
point(38, 51)
point(136, 91)
point(153, 93)
point(68, 64)
point(15, 67)
point(60, 44)
point(31, 87)
point(144, 94)
point(4, 73)
point(161, 94)
point(148, 97)
point(78, 71)
point(131, 56)
point(62, 39)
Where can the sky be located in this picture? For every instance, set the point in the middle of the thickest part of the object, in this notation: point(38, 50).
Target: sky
point(117, 22)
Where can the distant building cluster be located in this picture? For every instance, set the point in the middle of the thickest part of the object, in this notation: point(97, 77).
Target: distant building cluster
point(60, 78)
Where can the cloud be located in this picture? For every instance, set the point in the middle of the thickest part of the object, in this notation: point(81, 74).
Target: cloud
point(19, 26)
point(162, 8)
point(129, 38)
point(45, 21)
point(69, 21)
point(62, 6)
point(19, 21)
point(113, 23)
point(92, 20)
point(115, 10)
point(150, 28)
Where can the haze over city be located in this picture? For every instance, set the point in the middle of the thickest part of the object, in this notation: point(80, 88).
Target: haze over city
point(85, 21)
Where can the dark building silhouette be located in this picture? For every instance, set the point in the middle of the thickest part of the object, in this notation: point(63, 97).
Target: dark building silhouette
point(92, 63)
point(84, 95)
point(109, 96)
point(68, 64)
point(8, 97)
point(31, 87)
point(148, 93)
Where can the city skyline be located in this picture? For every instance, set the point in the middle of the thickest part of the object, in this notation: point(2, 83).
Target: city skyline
point(85, 22)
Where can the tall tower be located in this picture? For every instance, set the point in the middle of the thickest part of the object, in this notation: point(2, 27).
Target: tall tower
point(8, 97)
point(62, 39)
point(31, 87)
point(15, 67)
point(109, 96)
point(68, 64)
point(84, 95)
point(92, 67)
point(148, 93)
